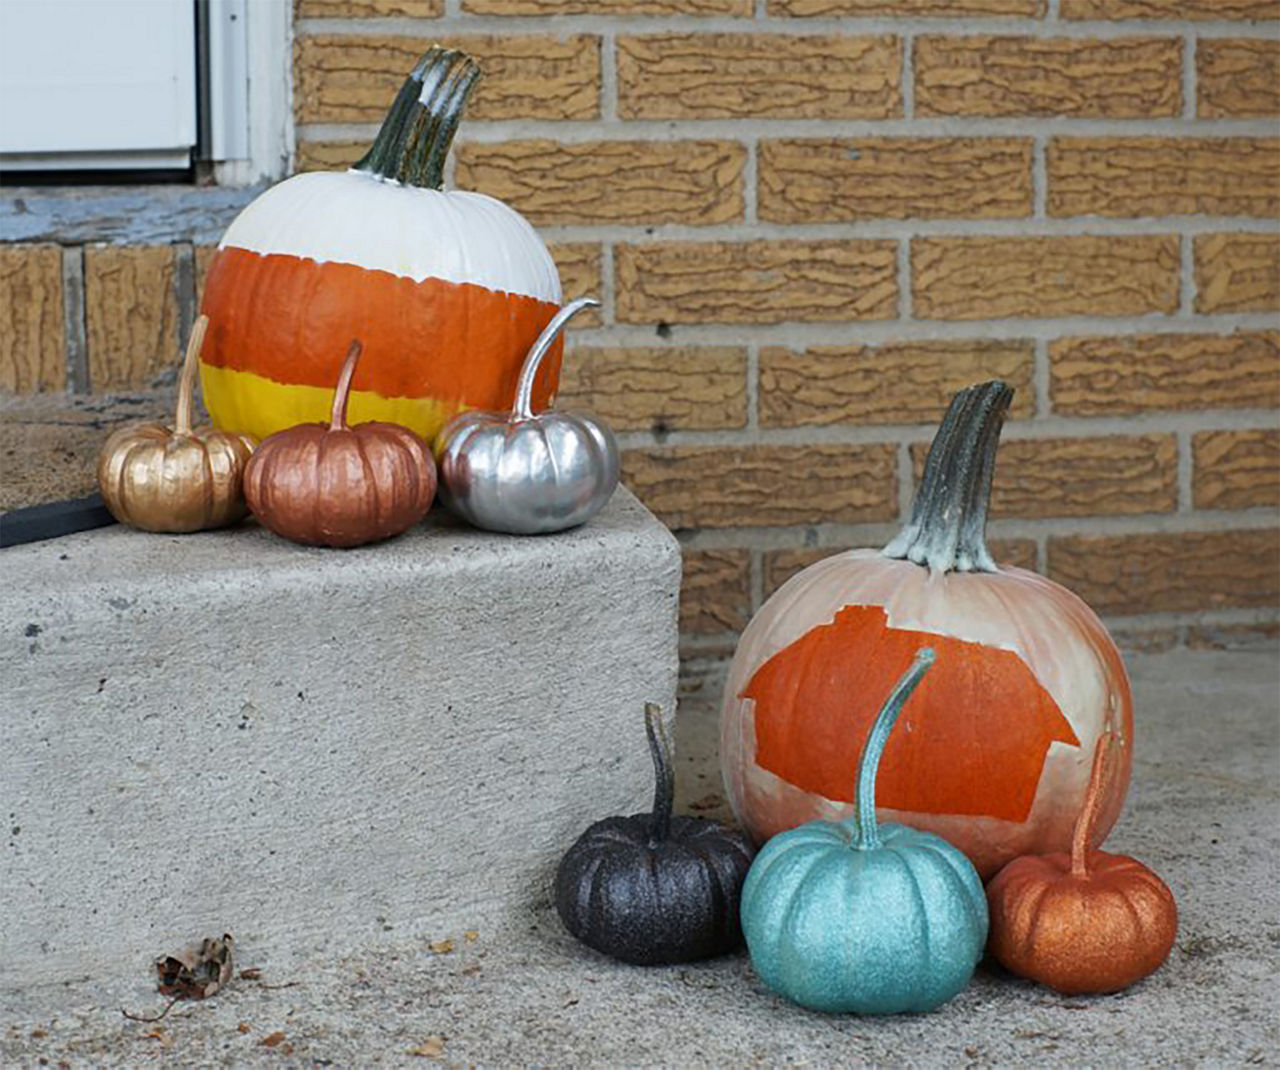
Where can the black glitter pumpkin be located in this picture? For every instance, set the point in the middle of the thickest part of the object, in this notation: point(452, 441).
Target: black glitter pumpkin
point(653, 889)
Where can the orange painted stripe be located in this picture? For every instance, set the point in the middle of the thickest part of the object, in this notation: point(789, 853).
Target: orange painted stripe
point(290, 320)
point(971, 740)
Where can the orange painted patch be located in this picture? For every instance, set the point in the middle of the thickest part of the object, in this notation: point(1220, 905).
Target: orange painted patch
point(291, 320)
point(971, 740)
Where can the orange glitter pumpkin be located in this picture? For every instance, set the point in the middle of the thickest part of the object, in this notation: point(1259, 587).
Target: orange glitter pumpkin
point(1082, 922)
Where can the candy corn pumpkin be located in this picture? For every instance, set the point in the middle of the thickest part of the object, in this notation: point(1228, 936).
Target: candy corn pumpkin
point(446, 289)
point(994, 749)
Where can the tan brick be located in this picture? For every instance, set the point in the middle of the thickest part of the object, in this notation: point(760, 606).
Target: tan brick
point(1237, 77)
point(1099, 376)
point(353, 78)
point(1116, 176)
point(1188, 10)
point(367, 9)
point(819, 180)
point(763, 486)
point(579, 266)
point(1236, 469)
point(907, 8)
point(32, 336)
point(1116, 475)
point(755, 282)
point(781, 565)
point(1237, 272)
point(675, 388)
point(640, 8)
point(131, 315)
point(328, 155)
point(1185, 572)
point(901, 383)
point(1255, 638)
point(715, 594)
point(550, 182)
point(1128, 78)
point(1036, 277)
point(739, 76)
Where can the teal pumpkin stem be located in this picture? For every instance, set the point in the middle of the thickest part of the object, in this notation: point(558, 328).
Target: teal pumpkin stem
point(947, 529)
point(664, 774)
point(415, 137)
point(868, 831)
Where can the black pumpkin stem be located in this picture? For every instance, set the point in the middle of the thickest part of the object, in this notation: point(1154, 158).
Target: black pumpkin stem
point(415, 137)
point(947, 530)
point(664, 773)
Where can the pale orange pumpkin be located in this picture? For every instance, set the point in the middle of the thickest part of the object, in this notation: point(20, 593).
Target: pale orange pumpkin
point(993, 752)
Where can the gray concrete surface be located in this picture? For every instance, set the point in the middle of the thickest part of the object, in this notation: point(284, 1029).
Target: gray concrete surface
point(316, 750)
point(1203, 812)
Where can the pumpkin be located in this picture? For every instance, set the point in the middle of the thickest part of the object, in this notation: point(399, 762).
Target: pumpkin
point(652, 889)
point(447, 290)
point(179, 478)
point(994, 755)
point(527, 473)
point(335, 485)
point(1082, 922)
point(857, 916)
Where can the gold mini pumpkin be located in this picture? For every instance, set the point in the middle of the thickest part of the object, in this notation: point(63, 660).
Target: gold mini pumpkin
point(175, 479)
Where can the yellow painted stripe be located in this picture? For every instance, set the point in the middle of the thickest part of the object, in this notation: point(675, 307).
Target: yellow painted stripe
point(243, 401)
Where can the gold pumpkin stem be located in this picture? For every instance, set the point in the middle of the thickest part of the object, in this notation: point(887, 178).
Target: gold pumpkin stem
point(1082, 836)
point(186, 384)
point(341, 393)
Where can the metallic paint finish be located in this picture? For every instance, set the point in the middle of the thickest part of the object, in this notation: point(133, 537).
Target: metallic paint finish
point(175, 479)
point(1082, 922)
point(528, 474)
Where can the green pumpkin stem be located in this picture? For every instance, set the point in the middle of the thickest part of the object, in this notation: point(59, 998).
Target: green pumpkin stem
point(342, 392)
point(947, 529)
point(868, 832)
point(664, 773)
point(414, 141)
point(1082, 834)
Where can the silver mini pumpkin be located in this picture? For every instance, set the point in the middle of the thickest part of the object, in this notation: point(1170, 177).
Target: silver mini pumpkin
point(525, 473)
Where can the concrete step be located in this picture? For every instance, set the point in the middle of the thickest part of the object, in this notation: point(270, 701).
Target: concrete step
point(314, 749)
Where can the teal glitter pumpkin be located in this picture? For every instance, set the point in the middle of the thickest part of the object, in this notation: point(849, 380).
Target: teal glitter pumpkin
point(855, 916)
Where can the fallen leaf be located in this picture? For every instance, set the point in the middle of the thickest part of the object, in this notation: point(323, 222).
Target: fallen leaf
point(441, 947)
point(472, 935)
point(197, 973)
point(251, 974)
point(272, 1041)
point(429, 1048)
point(470, 971)
point(244, 1027)
point(160, 1035)
point(38, 1034)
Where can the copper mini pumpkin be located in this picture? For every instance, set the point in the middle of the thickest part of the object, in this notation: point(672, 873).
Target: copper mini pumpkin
point(1082, 922)
point(336, 485)
point(179, 478)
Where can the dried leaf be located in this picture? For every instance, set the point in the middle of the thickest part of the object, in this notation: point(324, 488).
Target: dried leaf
point(272, 1041)
point(197, 973)
point(160, 1035)
point(441, 947)
point(472, 935)
point(429, 1048)
point(470, 971)
point(244, 1027)
point(251, 974)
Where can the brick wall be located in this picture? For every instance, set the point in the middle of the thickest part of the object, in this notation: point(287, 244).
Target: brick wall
point(810, 221)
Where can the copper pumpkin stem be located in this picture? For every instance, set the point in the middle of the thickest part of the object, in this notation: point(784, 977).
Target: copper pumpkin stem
point(342, 392)
point(1082, 836)
point(186, 384)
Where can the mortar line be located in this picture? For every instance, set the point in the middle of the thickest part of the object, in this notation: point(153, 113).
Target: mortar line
point(606, 283)
point(753, 388)
point(1186, 275)
point(906, 482)
point(1185, 472)
point(755, 579)
point(1042, 554)
point(184, 289)
point(1052, 12)
point(902, 264)
point(1042, 373)
point(908, 80)
point(1039, 177)
point(751, 182)
point(609, 77)
point(74, 327)
point(1189, 90)
point(454, 21)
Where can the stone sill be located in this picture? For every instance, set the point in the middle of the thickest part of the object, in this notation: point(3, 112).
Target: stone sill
point(132, 215)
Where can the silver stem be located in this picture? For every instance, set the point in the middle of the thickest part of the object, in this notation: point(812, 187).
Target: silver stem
point(523, 407)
